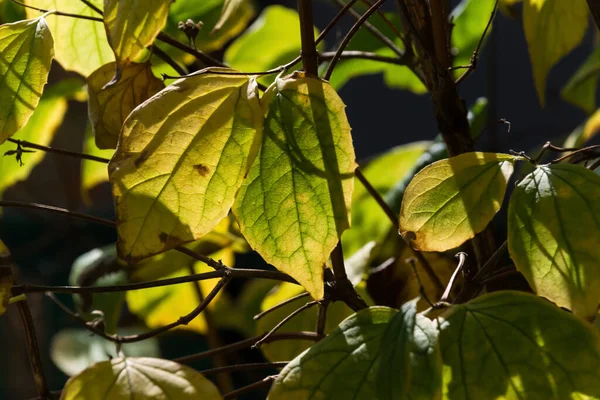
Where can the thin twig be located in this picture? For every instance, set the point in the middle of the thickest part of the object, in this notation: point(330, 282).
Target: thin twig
point(245, 367)
point(377, 197)
point(184, 320)
point(363, 55)
point(169, 60)
point(63, 14)
point(489, 266)
point(349, 36)
point(322, 318)
point(92, 6)
point(26, 144)
point(474, 58)
point(266, 382)
point(246, 343)
point(279, 305)
point(283, 322)
point(413, 264)
point(34, 350)
point(462, 257)
point(579, 151)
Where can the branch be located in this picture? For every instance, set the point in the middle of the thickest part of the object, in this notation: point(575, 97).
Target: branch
point(439, 25)
point(26, 144)
point(186, 319)
point(307, 38)
point(377, 197)
point(594, 6)
point(34, 350)
point(364, 55)
point(349, 36)
point(283, 322)
point(279, 305)
point(268, 381)
point(63, 14)
point(246, 343)
point(245, 367)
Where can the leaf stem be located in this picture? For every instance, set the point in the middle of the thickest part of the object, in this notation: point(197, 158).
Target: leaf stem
point(283, 322)
point(34, 350)
point(279, 305)
point(349, 36)
point(377, 197)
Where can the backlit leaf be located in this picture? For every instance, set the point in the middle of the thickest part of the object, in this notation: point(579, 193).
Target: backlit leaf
point(209, 13)
point(469, 18)
point(26, 51)
point(585, 132)
point(552, 28)
point(139, 377)
point(451, 200)
point(295, 202)
point(80, 45)
point(162, 305)
point(279, 28)
point(73, 350)
point(109, 107)
point(229, 8)
point(532, 349)
point(132, 25)
point(6, 277)
point(305, 321)
point(426, 361)
point(169, 189)
point(553, 235)
point(40, 129)
point(580, 90)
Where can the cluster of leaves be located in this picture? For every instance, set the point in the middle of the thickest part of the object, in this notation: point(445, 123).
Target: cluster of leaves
point(220, 161)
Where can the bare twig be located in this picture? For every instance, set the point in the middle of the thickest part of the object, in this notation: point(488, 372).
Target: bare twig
point(307, 38)
point(377, 197)
point(34, 350)
point(279, 305)
point(262, 384)
point(462, 257)
point(63, 14)
point(322, 318)
point(26, 144)
point(363, 55)
point(283, 322)
point(245, 367)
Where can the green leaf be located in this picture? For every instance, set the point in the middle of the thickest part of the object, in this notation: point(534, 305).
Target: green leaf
point(110, 106)
point(162, 305)
point(470, 17)
point(26, 49)
point(6, 277)
point(99, 267)
point(552, 28)
point(229, 9)
point(73, 350)
point(278, 29)
point(168, 188)
point(139, 377)
point(209, 13)
point(369, 221)
point(451, 200)
point(80, 45)
point(585, 132)
point(132, 25)
point(305, 321)
point(11, 12)
point(40, 129)
point(426, 361)
point(93, 173)
point(343, 365)
point(553, 235)
point(580, 90)
point(513, 345)
point(295, 202)
point(393, 374)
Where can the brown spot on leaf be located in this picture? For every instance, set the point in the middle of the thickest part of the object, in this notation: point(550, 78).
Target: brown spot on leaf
point(163, 237)
point(202, 169)
point(143, 157)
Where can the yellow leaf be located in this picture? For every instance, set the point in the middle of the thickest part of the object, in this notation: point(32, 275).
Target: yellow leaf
point(80, 45)
point(451, 200)
point(229, 9)
point(552, 28)
point(26, 49)
point(141, 378)
point(295, 202)
point(132, 25)
point(181, 158)
point(110, 106)
point(161, 306)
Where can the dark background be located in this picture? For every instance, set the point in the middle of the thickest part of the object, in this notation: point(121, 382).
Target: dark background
point(44, 246)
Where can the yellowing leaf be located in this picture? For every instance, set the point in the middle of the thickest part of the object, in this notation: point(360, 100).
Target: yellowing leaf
point(109, 107)
point(162, 305)
point(552, 28)
point(181, 158)
point(229, 8)
point(6, 277)
point(295, 202)
point(533, 350)
point(585, 132)
point(451, 200)
point(139, 377)
point(40, 129)
point(132, 25)
point(26, 51)
point(554, 232)
point(92, 173)
point(80, 45)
